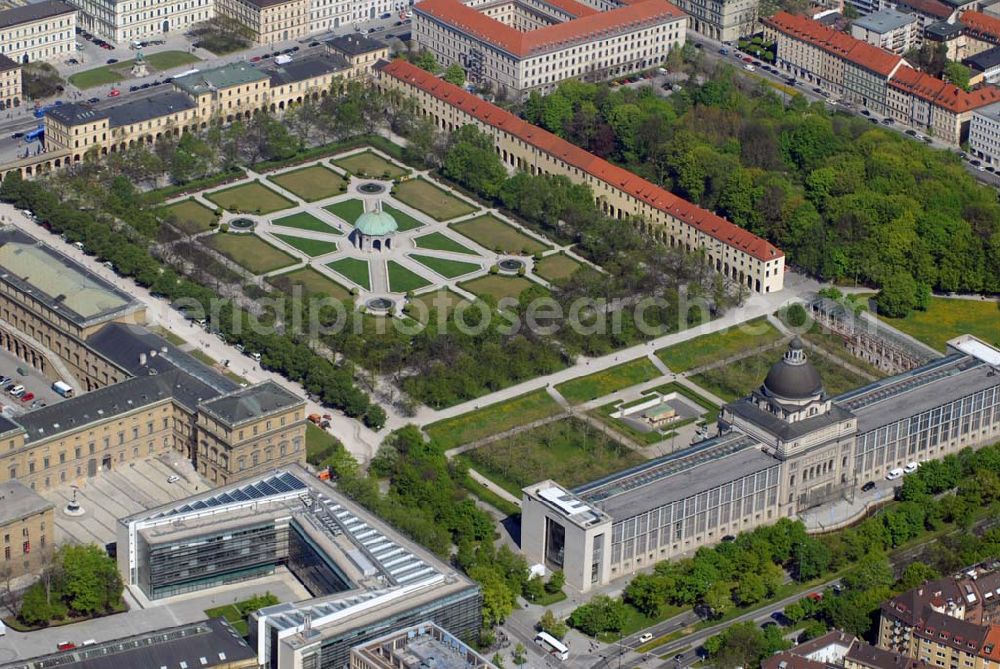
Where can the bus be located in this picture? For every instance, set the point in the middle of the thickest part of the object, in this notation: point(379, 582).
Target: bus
point(37, 133)
point(552, 646)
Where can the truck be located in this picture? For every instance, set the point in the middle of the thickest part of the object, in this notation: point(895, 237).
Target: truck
point(63, 389)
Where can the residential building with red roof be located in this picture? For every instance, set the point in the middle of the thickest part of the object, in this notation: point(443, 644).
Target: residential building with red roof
point(520, 46)
point(875, 79)
point(739, 254)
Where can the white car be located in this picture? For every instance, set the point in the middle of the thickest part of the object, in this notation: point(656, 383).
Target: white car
point(645, 637)
point(173, 479)
point(894, 474)
point(911, 467)
point(749, 68)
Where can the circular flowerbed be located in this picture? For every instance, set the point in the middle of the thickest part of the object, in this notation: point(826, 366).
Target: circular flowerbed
point(379, 305)
point(240, 225)
point(510, 265)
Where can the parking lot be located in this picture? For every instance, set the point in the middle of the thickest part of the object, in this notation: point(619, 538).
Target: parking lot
point(114, 494)
point(33, 382)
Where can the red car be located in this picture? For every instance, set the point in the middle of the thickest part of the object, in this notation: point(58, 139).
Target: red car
point(114, 93)
point(65, 645)
point(27, 397)
point(255, 59)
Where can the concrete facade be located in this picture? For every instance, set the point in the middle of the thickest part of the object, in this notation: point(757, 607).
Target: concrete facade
point(27, 528)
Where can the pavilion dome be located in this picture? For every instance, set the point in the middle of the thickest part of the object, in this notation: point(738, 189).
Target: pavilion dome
point(376, 223)
point(794, 377)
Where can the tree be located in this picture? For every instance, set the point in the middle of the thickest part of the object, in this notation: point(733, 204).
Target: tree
point(915, 575)
point(719, 598)
point(472, 162)
point(958, 74)
point(454, 75)
point(534, 588)
point(646, 593)
point(556, 581)
point(549, 623)
point(600, 614)
point(39, 80)
point(898, 295)
point(520, 654)
point(425, 60)
point(750, 589)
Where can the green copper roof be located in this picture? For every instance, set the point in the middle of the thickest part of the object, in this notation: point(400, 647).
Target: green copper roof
point(376, 224)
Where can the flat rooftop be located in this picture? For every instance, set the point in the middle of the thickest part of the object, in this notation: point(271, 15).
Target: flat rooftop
point(917, 390)
point(885, 21)
point(18, 501)
point(567, 504)
point(211, 643)
point(217, 78)
point(390, 574)
point(424, 645)
point(59, 283)
point(676, 476)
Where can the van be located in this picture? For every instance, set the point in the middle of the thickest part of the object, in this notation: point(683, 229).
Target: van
point(62, 389)
point(894, 474)
point(17, 390)
point(256, 356)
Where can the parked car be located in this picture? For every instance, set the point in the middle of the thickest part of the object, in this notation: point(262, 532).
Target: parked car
point(114, 93)
point(255, 59)
point(133, 89)
point(18, 392)
point(174, 478)
point(911, 467)
point(928, 140)
point(868, 487)
point(748, 67)
point(94, 101)
point(4, 380)
point(65, 645)
point(27, 397)
point(865, 112)
point(73, 61)
point(911, 132)
point(112, 61)
point(313, 44)
point(17, 135)
point(894, 474)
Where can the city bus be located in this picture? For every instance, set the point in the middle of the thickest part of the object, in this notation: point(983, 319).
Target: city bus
point(552, 646)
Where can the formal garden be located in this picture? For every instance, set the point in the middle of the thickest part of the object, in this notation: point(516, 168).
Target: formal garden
point(364, 226)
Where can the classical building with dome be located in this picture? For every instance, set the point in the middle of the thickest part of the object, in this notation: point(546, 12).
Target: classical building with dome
point(784, 449)
point(374, 229)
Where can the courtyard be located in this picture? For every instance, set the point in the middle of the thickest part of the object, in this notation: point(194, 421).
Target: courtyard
point(361, 225)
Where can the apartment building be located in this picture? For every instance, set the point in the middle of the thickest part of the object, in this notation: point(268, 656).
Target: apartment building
point(740, 255)
point(950, 622)
point(984, 134)
point(42, 31)
point(26, 526)
point(888, 30)
point(121, 21)
point(332, 14)
point(10, 83)
point(594, 45)
point(875, 79)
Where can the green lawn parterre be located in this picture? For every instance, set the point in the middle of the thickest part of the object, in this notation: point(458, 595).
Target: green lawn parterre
point(191, 216)
point(311, 247)
point(403, 280)
point(437, 203)
point(313, 283)
point(719, 345)
point(599, 384)
point(446, 267)
point(110, 74)
point(403, 220)
point(499, 417)
point(311, 183)
point(569, 451)
point(250, 198)
point(443, 299)
point(370, 164)
point(497, 286)
point(352, 269)
point(947, 318)
point(438, 241)
point(490, 232)
point(250, 251)
point(305, 221)
point(556, 267)
point(347, 210)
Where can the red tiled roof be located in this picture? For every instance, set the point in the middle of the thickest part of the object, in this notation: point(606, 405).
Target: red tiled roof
point(942, 94)
point(982, 24)
point(929, 7)
point(572, 7)
point(587, 26)
point(711, 224)
point(991, 644)
point(840, 44)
